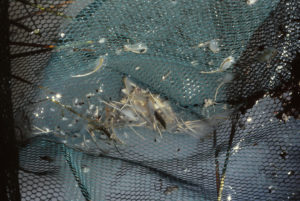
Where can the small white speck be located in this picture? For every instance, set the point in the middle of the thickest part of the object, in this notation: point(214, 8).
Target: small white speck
point(138, 48)
point(102, 40)
point(237, 147)
point(229, 197)
point(251, 2)
point(137, 68)
point(194, 63)
point(279, 68)
point(36, 114)
point(70, 125)
point(165, 76)
point(203, 44)
point(89, 95)
point(85, 169)
point(52, 109)
point(62, 35)
point(91, 107)
point(290, 172)
point(58, 96)
point(249, 119)
point(285, 117)
point(36, 31)
point(186, 170)
point(64, 119)
point(273, 78)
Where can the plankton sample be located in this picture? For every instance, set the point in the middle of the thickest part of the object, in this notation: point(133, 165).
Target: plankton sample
point(213, 45)
point(100, 63)
point(251, 2)
point(226, 64)
point(170, 189)
point(138, 48)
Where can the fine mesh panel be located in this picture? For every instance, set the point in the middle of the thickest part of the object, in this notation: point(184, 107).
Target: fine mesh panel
point(250, 154)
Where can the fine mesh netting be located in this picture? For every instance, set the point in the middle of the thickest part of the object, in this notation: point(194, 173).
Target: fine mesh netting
point(214, 87)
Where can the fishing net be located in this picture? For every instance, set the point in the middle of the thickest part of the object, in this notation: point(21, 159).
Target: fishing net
point(151, 100)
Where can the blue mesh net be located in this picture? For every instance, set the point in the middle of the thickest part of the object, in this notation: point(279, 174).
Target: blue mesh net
point(214, 61)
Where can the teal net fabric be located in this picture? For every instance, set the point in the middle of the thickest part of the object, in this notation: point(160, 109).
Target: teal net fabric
point(251, 154)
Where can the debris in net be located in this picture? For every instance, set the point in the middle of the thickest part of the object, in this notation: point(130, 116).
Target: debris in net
point(141, 108)
point(211, 102)
point(41, 11)
point(36, 31)
point(102, 40)
point(267, 55)
point(208, 102)
point(165, 76)
point(283, 154)
point(138, 48)
point(292, 172)
point(101, 60)
point(138, 108)
point(170, 189)
point(42, 131)
point(271, 189)
point(249, 119)
point(32, 45)
point(83, 50)
point(75, 46)
point(213, 45)
point(203, 44)
point(89, 95)
point(118, 51)
point(194, 62)
point(227, 78)
point(285, 118)
point(226, 63)
point(251, 2)
point(46, 9)
point(46, 158)
point(85, 169)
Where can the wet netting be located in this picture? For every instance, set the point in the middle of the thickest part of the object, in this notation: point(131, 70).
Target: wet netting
point(150, 100)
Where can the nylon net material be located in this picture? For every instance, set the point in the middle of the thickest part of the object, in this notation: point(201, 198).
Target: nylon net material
point(230, 66)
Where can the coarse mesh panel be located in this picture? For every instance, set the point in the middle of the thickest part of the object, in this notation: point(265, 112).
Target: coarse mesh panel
point(248, 147)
